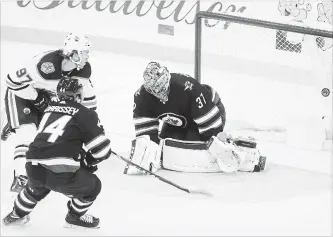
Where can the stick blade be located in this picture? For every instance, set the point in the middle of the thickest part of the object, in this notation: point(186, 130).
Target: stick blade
point(200, 191)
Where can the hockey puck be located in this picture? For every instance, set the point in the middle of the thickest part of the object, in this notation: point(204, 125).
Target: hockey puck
point(325, 92)
point(26, 111)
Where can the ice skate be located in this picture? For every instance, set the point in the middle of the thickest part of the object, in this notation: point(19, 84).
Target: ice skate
point(12, 219)
point(85, 221)
point(6, 132)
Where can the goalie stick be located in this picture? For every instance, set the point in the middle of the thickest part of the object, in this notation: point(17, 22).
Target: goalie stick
point(188, 190)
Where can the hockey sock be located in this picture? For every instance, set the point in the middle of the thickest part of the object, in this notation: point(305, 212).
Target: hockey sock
point(79, 206)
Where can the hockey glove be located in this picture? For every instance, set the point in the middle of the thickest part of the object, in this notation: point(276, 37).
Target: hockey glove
point(90, 168)
point(86, 161)
point(89, 162)
point(41, 102)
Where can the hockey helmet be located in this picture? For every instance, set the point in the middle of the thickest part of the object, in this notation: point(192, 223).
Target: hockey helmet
point(69, 89)
point(157, 81)
point(77, 48)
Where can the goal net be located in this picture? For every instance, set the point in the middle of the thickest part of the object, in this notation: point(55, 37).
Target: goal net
point(270, 75)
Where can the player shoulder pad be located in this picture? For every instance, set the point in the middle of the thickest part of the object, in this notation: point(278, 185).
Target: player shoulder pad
point(85, 72)
point(185, 82)
point(89, 117)
point(143, 101)
point(212, 92)
point(49, 66)
point(182, 77)
point(142, 96)
point(86, 112)
point(139, 91)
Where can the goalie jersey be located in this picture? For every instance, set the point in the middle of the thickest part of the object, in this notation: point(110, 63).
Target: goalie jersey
point(43, 73)
point(190, 105)
point(63, 130)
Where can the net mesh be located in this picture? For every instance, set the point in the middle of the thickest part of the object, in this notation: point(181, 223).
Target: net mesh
point(282, 43)
point(285, 42)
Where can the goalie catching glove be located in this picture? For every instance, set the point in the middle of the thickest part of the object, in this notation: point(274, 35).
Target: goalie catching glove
point(225, 154)
point(236, 154)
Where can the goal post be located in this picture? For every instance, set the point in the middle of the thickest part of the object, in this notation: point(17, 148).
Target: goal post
point(272, 75)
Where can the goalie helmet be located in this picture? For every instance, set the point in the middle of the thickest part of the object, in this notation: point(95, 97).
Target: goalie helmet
point(69, 89)
point(157, 81)
point(77, 48)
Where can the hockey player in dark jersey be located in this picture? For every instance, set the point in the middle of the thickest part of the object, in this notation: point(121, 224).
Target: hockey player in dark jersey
point(190, 111)
point(55, 161)
point(32, 86)
point(193, 118)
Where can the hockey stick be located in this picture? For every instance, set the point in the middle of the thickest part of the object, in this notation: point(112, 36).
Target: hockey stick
point(188, 190)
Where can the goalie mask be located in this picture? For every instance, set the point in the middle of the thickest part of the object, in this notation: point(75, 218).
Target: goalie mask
point(69, 89)
point(77, 49)
point(157, 81)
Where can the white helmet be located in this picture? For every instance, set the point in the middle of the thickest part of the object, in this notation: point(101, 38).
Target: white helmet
point(77, 48)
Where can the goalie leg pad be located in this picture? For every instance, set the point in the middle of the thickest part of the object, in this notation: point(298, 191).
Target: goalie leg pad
point(225, 153)
point(145, 153)
point(187, 156)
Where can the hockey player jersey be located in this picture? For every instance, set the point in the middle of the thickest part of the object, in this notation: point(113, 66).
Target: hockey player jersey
point(43, 73)
point(189, 104)
point(64, 128)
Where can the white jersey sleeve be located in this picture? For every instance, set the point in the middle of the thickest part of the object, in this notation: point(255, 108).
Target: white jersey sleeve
point(21, 83)
point(43, 71)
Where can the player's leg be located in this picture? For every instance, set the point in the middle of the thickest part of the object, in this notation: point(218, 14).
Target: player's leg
point(22, 118)
point(28, 197)
point(24, 135)
point(83, 187)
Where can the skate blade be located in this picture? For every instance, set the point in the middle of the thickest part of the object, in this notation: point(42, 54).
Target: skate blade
point(17, 225)
point(72, 226)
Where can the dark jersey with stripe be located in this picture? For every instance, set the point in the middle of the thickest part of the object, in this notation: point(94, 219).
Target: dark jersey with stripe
point(189, 104)
point(63, 130)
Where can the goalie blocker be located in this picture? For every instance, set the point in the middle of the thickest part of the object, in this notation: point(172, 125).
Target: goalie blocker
point(219, 154)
